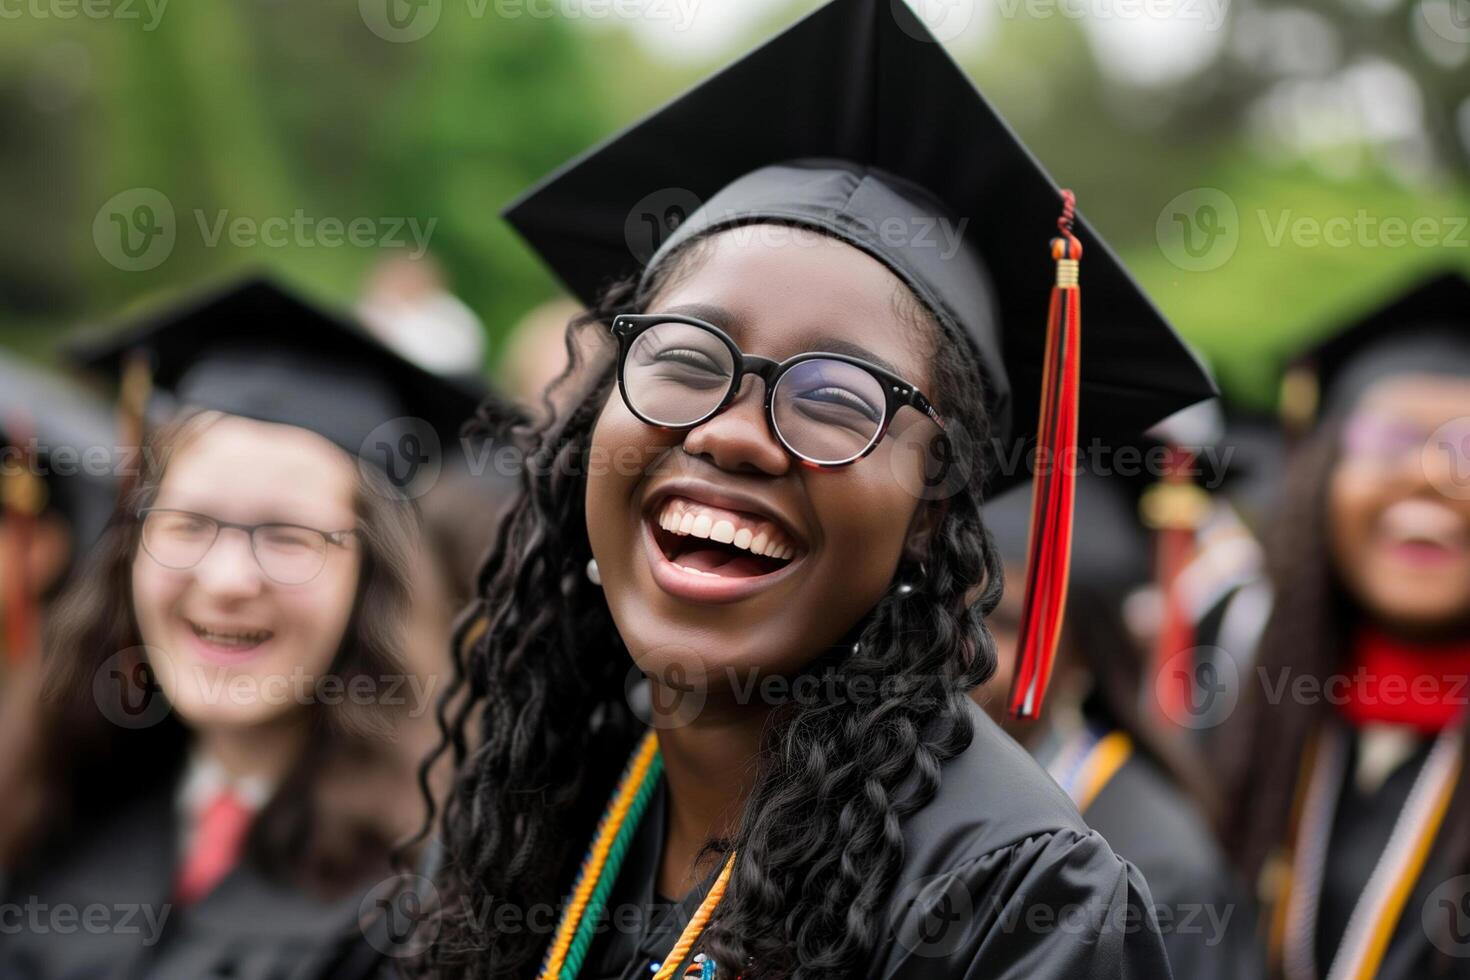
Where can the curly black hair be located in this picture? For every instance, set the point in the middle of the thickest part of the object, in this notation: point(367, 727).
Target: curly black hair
point(541, 681)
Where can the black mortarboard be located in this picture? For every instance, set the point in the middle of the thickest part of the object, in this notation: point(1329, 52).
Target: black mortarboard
point(854, 115)
point(856, 123)
point(1422, 329)
point(255, 349)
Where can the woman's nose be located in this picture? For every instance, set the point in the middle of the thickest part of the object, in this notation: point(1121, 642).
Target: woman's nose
point(739, 437)
point(229, 568)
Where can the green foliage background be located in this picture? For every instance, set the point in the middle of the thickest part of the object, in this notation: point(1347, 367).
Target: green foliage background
point(266, 107)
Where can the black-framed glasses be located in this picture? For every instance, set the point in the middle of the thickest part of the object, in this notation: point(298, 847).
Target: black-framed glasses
point(289, 554)
point(675, 372)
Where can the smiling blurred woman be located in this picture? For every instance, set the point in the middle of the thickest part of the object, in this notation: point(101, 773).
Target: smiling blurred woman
point(727, 570)
point(1348, 800)
point(215, 768)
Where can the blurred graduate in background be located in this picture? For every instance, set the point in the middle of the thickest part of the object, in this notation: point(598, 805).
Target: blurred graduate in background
point(1130, 773)
point(57, 488)
point(228, 675)
point(1346, 798)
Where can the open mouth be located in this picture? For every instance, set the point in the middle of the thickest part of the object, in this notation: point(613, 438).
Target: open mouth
point(234, 641)
point(1423, 532)
point(713, 541)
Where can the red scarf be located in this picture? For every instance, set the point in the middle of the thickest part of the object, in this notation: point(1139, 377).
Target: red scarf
point(1393, 681)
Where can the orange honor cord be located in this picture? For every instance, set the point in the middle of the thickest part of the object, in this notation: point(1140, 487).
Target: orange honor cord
point(1049, 549)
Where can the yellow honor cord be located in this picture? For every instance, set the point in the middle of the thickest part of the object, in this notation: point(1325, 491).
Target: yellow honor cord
point(1102, 764)
point(607, 832)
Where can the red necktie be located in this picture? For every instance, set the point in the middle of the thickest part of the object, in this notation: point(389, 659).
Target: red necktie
point(218, 839)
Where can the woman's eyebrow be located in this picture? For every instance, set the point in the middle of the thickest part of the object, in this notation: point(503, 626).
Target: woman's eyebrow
point(835, 345)
point(732, 323)
point(718, 315)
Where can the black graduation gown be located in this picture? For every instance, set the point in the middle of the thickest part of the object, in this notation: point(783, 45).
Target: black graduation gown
point(248, 928)
point(1209, 926)
point(1360, 832)
point(1001, 880)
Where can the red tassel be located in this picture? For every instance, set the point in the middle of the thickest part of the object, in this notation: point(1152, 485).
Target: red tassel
point(1049, 552)
point(1175, 519)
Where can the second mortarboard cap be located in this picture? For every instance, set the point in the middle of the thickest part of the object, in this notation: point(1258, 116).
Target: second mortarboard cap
point(1423, 329)
point(255, 349)
point(857, 124)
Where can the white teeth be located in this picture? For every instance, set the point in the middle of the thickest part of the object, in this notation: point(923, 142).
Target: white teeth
point(231, 639)
point(761, 538)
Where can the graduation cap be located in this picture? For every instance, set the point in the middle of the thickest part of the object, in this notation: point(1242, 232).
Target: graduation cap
point(853, 119)
point(255, 349)
point(1422, 329)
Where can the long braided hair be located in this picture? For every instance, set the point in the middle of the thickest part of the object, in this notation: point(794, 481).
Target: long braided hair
point(539, 725)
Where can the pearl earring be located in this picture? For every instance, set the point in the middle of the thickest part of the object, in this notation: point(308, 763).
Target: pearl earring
point(593, 574)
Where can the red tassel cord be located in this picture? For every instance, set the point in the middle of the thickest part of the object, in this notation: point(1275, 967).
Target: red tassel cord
point(1049, 548)
point(1174, 509)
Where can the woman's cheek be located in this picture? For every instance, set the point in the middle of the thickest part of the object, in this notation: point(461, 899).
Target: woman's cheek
point(154, 591)
point(1351, 505)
